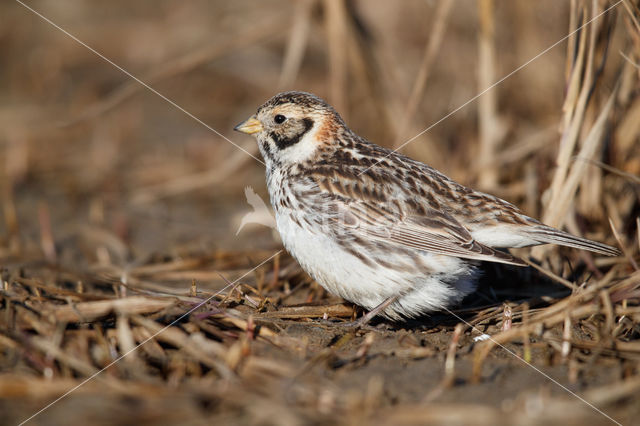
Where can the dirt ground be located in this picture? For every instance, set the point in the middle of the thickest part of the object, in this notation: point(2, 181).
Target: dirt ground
point(130, 295)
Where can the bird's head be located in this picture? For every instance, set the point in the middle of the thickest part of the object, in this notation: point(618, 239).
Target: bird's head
point(292, 127)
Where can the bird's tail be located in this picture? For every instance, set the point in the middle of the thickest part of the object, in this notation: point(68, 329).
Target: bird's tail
point(548, 235)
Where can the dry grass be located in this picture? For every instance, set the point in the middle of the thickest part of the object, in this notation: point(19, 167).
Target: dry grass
point(119, 213)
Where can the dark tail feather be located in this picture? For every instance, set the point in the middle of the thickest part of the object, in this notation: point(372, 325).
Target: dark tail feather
point(548, 235)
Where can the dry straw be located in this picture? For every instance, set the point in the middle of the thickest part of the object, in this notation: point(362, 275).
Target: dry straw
point(78, 293)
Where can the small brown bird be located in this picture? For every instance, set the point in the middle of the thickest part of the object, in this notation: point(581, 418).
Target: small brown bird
point(377, 228)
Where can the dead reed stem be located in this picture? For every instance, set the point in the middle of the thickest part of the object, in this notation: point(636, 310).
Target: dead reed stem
point(337, 36)
point(440, 21)
point(487, 104)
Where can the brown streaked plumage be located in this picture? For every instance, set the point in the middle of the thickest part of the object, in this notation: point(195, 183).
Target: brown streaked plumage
point(376, 227)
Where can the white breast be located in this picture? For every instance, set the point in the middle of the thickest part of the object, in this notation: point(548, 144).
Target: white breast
point(338, 271)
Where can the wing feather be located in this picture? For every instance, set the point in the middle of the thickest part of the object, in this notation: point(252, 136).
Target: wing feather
point(435, 232)
point(547, 235)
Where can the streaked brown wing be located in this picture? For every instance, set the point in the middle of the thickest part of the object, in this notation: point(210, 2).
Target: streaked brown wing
point(430, 230)
point(435, 232)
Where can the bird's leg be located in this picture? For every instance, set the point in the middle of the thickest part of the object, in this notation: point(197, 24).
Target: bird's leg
point(364, 320)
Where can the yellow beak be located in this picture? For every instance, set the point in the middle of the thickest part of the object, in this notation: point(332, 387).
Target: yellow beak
point(249, 126)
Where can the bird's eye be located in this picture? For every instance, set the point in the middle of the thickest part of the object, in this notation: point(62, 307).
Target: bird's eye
point(279, 119)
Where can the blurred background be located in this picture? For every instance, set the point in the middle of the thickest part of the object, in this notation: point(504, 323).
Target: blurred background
point(112, 189)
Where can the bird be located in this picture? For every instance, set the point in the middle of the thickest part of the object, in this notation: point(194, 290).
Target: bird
point(377, 228)
point(260, 214)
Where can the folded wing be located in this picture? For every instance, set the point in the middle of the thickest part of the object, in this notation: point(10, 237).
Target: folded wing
point(434, 232)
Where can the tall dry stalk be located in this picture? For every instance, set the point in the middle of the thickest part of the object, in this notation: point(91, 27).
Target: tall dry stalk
point(337, 34)
point(581, 137)
point(297, 43)
point(487, 104)
point(440, 21)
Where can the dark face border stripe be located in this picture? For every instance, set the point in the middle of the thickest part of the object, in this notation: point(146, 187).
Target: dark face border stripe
point(267, 150)
point(283, 143)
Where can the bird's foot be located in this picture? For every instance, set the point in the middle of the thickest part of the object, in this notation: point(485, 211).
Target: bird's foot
point(364, 320)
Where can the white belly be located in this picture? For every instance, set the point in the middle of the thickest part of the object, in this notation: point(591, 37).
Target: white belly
point(345, 275)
